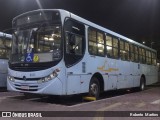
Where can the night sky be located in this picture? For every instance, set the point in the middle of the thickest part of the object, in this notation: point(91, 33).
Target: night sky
point(135, 19)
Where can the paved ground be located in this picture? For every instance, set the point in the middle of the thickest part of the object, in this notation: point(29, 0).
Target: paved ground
point(116, 103)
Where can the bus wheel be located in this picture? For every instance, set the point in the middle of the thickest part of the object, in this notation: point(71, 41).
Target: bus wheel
point(94, 88)
point(142, 84)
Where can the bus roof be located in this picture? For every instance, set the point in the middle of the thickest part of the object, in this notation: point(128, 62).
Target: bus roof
point(78, 18)
point(60, 10)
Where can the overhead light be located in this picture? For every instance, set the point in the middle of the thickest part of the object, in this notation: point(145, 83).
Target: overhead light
point(45, 38)
point(75, 28)
point(100, 45)
point(51, 39)
point(31, 45)
point(100, 51)
point(109, 48)
point(53, 35)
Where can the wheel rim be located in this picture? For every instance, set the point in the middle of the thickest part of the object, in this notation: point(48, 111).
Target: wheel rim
point(94, 89)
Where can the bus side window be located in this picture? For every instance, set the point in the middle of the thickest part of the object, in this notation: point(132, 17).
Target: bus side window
point(92, 41)
point(115, 48)
point(143, 56)
point(140, 55)
point(126, 51)
point(74, 41)
point(96, 42)
point(153, 58)
point(100, 43)
point(132, 56)
point(136, 54)
point(148, 57)
point(109, 46)
point(122, 50)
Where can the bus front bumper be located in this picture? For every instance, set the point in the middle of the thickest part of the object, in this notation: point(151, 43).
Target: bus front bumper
point(52, 87)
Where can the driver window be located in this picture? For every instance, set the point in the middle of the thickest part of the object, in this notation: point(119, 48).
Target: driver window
point(74, 41)
point(78, 47)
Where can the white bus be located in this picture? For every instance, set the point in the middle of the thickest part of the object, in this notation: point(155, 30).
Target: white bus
point(5, 47)
point(55, 52)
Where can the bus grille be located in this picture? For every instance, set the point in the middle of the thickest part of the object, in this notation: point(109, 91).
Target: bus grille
point(29, 88)
point(27, 79)
point(28, 69)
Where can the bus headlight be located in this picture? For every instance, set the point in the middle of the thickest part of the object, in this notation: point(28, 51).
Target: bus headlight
point(11, 78)
point(49, 77)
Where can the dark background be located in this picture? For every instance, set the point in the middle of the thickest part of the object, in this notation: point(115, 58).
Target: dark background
point(135, 19)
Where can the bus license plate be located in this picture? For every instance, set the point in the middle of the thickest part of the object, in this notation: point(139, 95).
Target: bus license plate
point(25, 87)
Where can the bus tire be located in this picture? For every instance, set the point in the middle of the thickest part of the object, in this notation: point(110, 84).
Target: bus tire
point(142, 84)
point(94, 88)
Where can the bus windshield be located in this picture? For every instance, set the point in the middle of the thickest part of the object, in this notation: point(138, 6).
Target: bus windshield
point(37, 44)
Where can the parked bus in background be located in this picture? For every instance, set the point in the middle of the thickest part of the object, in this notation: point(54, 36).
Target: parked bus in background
point(5, 48)
point(55, 52)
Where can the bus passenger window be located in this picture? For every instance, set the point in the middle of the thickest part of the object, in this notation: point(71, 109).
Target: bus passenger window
point(153, 58)
point(100, 44)
point(92, 48)
point(115, 52)
point(143, 56)
point(92, 41)
point(115, 48)
point(126, 51)
point(148, 57)
point(109, 51)
point(136, 53)
point(122, 50)
point(109, 41)
point(140, 55)
point(96, 42)
point(109, 46)
point(132, 53)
